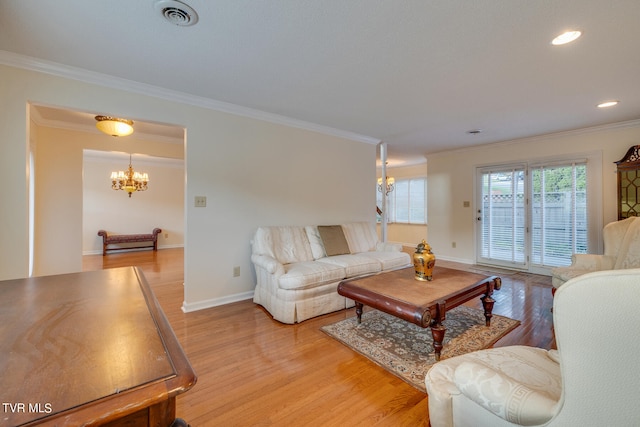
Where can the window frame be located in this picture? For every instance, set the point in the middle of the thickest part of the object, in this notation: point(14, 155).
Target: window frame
point(392, 202)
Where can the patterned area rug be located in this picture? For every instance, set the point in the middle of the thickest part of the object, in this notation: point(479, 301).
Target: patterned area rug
point(406, 350)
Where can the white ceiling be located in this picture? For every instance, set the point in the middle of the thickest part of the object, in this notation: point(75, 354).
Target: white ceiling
point(417, 74)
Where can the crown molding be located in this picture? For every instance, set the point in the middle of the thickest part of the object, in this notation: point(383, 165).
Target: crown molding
point(48, 67)
point(139, 159)
point(537, 138)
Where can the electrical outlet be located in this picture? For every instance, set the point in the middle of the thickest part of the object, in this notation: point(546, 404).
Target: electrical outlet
point(453, 245)
point(166, 235)
point(236, 271)
point(466, 204)
point(200, 202)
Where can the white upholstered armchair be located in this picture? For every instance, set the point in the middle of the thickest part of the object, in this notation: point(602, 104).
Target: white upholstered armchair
point(593, 379)
point(621, 250)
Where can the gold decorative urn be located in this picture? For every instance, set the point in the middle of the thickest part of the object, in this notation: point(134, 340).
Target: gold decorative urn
point(423, 261)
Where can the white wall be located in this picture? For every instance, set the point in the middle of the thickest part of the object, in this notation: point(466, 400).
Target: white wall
point(452, 174)
point(14, 169)
point(58, 206)
point(162, 205)
point(253, 172)
point(257, 173)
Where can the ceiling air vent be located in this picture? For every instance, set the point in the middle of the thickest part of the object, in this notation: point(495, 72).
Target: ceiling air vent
point(177, 12)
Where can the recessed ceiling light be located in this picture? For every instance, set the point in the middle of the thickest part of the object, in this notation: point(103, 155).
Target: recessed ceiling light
point(566, 37)
point(608, 104)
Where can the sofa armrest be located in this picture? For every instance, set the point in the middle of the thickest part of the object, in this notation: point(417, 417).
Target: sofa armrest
point(592, 262)
point(388, 247)
point(271, 265)
point(502, 395)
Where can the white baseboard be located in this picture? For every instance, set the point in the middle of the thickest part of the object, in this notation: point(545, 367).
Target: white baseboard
point(446, 258)
point(453, 259)
point(99, 251)
point(201, 305)
point(181, 245)
point(407, 245)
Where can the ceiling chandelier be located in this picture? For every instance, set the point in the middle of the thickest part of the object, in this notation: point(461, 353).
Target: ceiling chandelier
point(389, 185)
point(114, 126)
point(129, 180)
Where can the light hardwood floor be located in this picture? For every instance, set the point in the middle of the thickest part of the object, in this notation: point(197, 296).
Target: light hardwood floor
point(255, 371)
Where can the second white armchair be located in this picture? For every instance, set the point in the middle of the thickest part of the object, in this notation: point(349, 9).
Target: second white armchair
point(621, 250)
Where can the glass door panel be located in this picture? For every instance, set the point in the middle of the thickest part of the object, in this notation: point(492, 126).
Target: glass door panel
point(502, 217)
point(559, 214)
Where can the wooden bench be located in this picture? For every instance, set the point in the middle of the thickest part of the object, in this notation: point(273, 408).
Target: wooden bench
point(117, 239)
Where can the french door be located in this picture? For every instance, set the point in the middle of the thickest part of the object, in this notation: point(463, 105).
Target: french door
point(502, 216)
point(532, 216)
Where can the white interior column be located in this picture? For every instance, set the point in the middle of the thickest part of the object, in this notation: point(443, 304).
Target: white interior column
point(383, 161)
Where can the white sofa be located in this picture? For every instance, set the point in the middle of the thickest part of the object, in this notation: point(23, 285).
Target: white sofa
point(298, 272)
point(621, 251)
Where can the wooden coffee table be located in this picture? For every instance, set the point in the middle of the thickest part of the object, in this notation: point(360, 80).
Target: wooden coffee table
point(425, 304)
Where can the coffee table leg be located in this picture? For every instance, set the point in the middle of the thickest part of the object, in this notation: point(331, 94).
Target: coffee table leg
point(437, 332)
point(359, 306)
point(487, 303)
point(438, 329)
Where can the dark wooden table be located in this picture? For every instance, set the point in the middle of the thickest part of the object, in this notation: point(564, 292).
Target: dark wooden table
point(90, 348)
point(425, 304)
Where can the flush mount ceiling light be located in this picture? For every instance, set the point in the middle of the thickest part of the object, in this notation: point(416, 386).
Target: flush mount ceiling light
point(566, 37)
point(176, 12)
point(608, 104)
point(114, 126)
